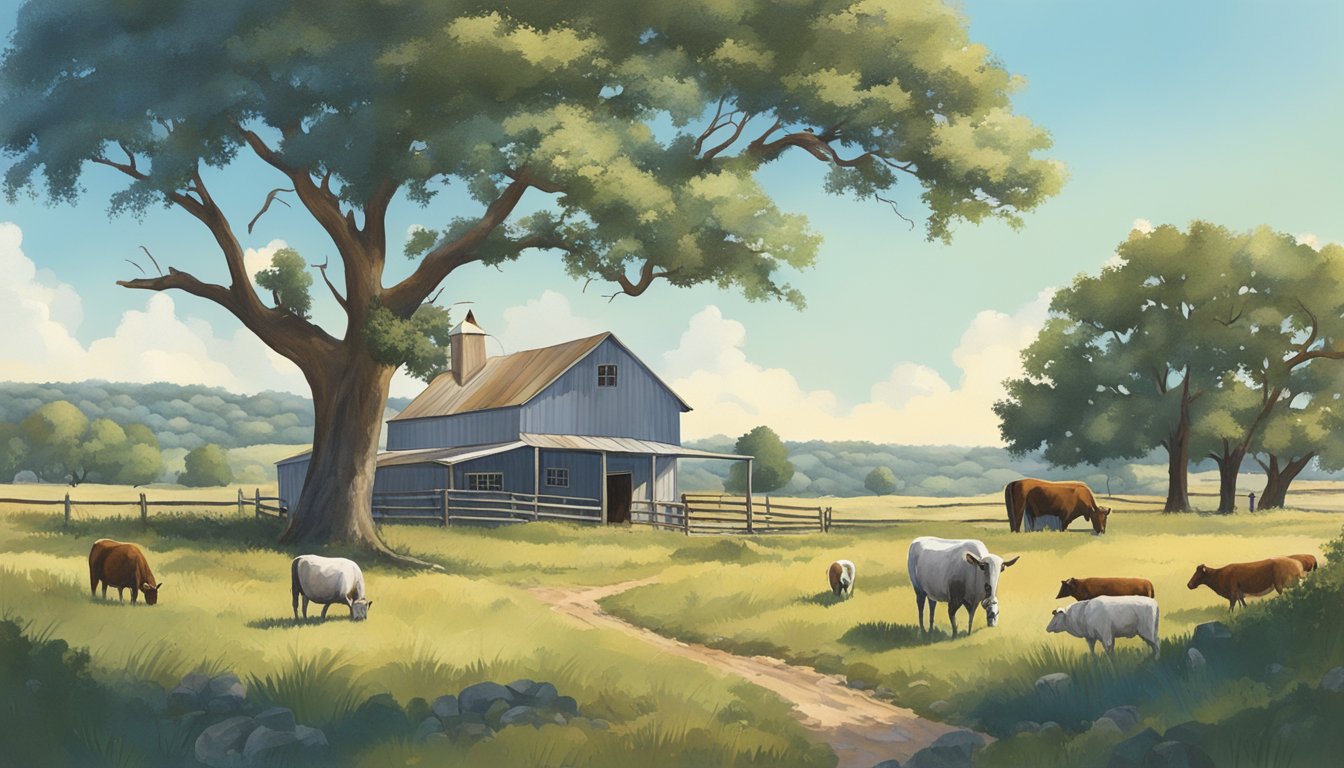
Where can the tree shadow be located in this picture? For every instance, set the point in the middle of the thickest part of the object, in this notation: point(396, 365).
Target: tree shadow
point(877, 636)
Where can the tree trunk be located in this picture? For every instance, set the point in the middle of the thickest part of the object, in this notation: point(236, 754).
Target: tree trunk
point(1228, 468)
point(336, 504)
point(1178, 466)
point(1277, 480)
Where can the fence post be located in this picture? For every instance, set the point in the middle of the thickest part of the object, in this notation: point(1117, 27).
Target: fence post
point(257, 501)
point(144, 510)
point(821, 519)
point(829, 512)
point(685, 516)
point(444, 498)
point(67, 510)
point(240, 502)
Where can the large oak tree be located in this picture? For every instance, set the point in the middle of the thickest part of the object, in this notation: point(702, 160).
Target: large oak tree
point(634, 129)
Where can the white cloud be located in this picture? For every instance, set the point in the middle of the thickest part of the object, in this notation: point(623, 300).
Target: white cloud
point(541, 322)
point(1307, 238)
point(1142, 225)
point(913, 405)
point(257, 259)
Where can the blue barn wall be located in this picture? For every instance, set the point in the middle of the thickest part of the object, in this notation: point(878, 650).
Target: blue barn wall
point(290, 475)
point(477, 428)
point(584, 469)
point(638, 467)
point(638, 406)
point(410, 477)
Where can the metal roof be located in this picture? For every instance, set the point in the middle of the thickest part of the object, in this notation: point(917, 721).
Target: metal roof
point(507, 380)
point(620, 445)
point(444, 455)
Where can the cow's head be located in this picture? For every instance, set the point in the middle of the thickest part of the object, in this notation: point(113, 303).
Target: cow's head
point(151, 592)
point(1057, 619)
point(1067, 588)
point(1201, 573)
point(359, 609)
point(990, 566)
point(1098, 519)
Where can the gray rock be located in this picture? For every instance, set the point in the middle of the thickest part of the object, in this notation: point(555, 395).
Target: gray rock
point(939, 757)
point(264, 740)
point(426, 727)
point(559, 719)
point(1126, 717)
point(856, 684)
point(497, 709)
point(196, 681)
point(220, 745)
point(277, 719)
point(445, 707)
point(1105, 726)
point(543, 695)
point(883, 692)
point(479, 697)
point(964, 740)
point(310, 737)
point(888, 764)
point(183, 699)
point(1131, 752)
point(522, 687)
point(1194, 659)
point(1177, 754)
point(1055, 684)
point(1333, 681)
point(519, 715)
point(567, 705)
point(940, 707)
point(1024, 726)
point(225, 685)
point(1211, 635)
point(600, 724)
point(225, 705)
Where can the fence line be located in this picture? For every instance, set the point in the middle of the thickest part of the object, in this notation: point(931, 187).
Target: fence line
point(256, 502)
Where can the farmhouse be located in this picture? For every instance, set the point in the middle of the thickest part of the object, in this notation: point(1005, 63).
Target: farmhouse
point(583, 428)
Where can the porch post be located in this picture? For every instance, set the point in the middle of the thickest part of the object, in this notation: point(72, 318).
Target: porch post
point(653, 497)
point(536, 481)
point(603, 488)
point(749, 520)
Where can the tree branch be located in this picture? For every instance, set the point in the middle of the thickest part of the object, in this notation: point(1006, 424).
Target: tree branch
point(339, 298)
point(647, 274)
point(267, 206)
point(184, 281)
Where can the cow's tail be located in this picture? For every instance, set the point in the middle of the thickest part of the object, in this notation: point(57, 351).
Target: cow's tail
point(294, 584)
point(1014, 522)
point(910, 570)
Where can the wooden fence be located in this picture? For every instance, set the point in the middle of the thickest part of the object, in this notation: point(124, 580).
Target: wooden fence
point(718, 514)
point(257, 503)
point(446, 507)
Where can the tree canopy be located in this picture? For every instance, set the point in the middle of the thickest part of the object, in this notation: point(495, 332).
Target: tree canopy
point(771, 469)
point(881, 481)
point(207, 465)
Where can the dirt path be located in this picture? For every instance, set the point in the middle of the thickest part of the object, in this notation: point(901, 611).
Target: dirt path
point(862, 730)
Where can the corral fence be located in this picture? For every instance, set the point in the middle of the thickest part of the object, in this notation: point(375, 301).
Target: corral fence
point(261, 506)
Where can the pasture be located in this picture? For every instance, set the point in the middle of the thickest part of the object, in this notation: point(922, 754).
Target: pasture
point(225, 605)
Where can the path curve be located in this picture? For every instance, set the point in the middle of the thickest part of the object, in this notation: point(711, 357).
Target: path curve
point(861, 729)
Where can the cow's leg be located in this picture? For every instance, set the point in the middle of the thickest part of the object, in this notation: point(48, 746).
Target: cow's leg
point(104, 590)
point(919, 606)
point(93, 584)
point(305, 606)
point(1092, 645)
point(121, 594)
point(135, 592)
point(952, 615)
point(296, 606)
point(970, 617)
point(1157, 650)
point(325, 606)
point(933, 606)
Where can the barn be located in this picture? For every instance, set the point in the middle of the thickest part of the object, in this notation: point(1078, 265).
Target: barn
point(583, 427)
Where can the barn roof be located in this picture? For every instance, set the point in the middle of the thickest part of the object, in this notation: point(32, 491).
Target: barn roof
point(509, 380)
point(449, 456)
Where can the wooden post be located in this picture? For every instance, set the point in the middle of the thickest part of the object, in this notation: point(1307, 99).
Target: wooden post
point(767, 511)
point(829, 511)
point(67, 510)
point(240, 502)
point(536, 482)
point(604, 487)
point(444, 499)
point(821, 519)
point(257, 501)
point(653, 497)
point(144, 510)
point(749, 521)
point(685, 516)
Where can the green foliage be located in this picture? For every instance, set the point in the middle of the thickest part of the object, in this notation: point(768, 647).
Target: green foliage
point(206, 466)
point(771, 468)
point(881, 481)
point(59, 443)
point(288, 281)
point(13, 451)
point(420, 343)
point(54, 434)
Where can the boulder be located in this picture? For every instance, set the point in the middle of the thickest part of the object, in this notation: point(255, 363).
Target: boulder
point(522, 687)
point(1126, 717)
point(478, 698)
point(497, 709)
point(445, 707)
point(224, 694)
point(567, 705)
point(196, 681)
point(883, 692)
point(600, 724)
point(183, 699)
point(1105, 726)
point(888, 764)
point(1055, 684)
point(309, 737)
point(221, 745)
point(1177, 754)
point(1130, 753)
point(1211, 636)
point(225, 705)
point(1024, 726)
point(1194, 659)
point(940, 707)
point(1333, 681)
point(262, 741)
point(519, 715)
point(426, 727)
point(939, 757)
point(474, 732)
point(277, 719)
point(965, 740)
point(543, 695)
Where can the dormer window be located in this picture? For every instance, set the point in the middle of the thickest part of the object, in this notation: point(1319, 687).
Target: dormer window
point(606, 375)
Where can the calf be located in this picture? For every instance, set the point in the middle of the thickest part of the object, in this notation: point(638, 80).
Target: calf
point(328, 580)
point(120, 565)
point(1308, 562)
point(1106, 618)
point(841, 574)
point(1086, 589)
point(1237, 580)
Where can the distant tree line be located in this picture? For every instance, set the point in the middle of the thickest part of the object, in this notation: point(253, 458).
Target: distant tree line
point(1204, 344)
point(58, 443)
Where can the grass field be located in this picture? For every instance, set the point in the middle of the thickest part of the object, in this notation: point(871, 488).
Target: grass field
point(225, 605)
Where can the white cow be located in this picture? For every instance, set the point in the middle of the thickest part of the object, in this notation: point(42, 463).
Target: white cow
point(1106, 618)
point(959, 572)
point(328, 580)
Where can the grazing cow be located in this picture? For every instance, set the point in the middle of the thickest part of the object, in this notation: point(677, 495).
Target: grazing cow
point(1237, 580)
point(119, 565)
point(1086, 589)
point(959, 572)
point(1106, 618)
point(328, 580)
point(1067, 501)
point(841, 574)
point(1308, 562)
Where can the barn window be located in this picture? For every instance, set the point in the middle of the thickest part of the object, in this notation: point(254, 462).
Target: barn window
point(606, 375)
point(485, 481)
point(557, 477)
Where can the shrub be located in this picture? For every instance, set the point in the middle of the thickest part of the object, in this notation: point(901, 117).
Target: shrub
point(207, 465)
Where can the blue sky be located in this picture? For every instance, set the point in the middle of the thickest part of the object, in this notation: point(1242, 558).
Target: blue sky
point(1228, 111)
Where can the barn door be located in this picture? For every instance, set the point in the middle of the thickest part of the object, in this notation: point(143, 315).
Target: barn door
point(620, 492)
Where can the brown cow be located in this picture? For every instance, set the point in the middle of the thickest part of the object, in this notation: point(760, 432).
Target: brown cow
point(1041, 498)
point(1237, 580)
point(1086, 589)
point(121, 565)
point(1308, 562)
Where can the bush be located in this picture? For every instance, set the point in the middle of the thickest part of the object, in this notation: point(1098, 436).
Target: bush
point(881, 481)
point(207, 465)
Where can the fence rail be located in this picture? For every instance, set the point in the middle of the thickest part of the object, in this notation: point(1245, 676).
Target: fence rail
point(257, 503)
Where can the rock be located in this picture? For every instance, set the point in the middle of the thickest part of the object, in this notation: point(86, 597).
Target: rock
point(567, 705)
point(1177, 754)
point(521, 688)
point(1211, 635)
point(1105, 726)
point(1125, 717)
point(1130, 752)
point(263, 740)
point(445, 707)
point(1024, 726)
point(600, 724)
point(888, 764)
point(940, 707)
point(225, 685)
point(220, 745)
point(478, 698)
point(559, 719)
point(225, 705)
point(426, 727)
point(277, 719)
point(1194, 659)
point(856, 684)
point(964, 740)
point(519, 715)
point(543, 695)
point(1333, 681)
point(310, 737)
point(1055, 684)
point(883, 692)
point(497, 709)
point(437, 739)
point(196, 681)
point(183, 699)
point(939, 757)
